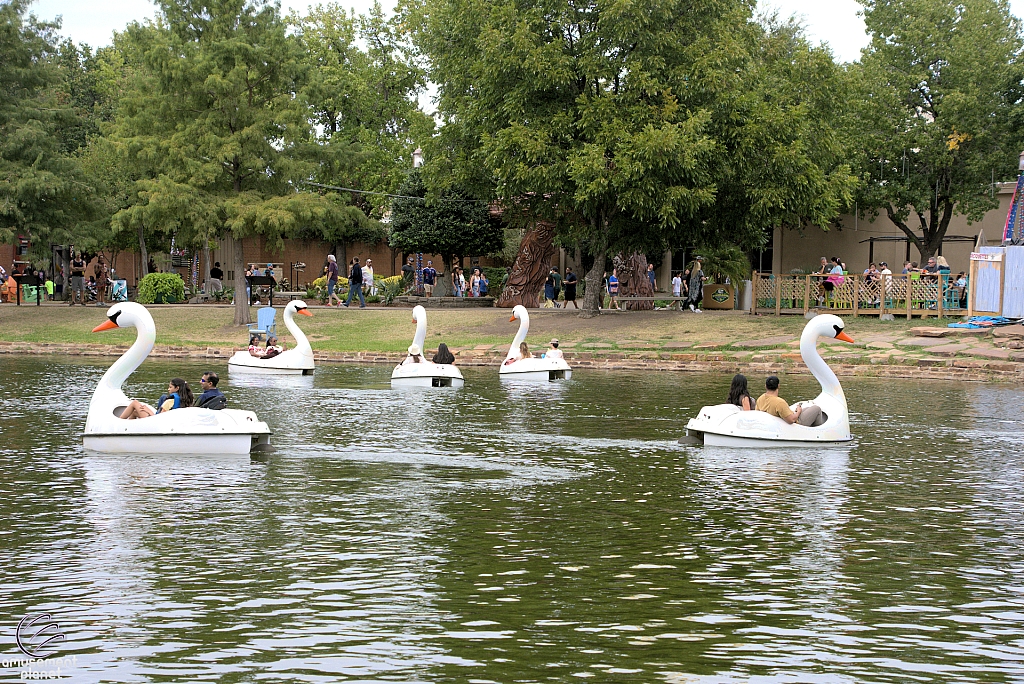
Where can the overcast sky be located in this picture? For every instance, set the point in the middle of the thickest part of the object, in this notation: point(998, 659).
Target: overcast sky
point(832, 21)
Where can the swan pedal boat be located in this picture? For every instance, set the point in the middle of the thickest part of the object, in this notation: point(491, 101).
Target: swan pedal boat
point(532, 369)
point(182, 431)
point(729, 425)
point(295, 361)
point(425, 373)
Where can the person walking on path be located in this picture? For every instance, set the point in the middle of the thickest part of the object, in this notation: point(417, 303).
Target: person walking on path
point(549, 291)
point(613, 289)
point(77, 279)
point(368, 278)
point(570, 288)
point(555, 276)
point(102, 278)
point(695, 292)
point(216, 278)
point(355, 284)
point(332, 280)
point(677, 288)
point(652, 278)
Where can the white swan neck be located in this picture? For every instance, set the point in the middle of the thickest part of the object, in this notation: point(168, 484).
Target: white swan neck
point(420, 338)
point(127, 363)
point(819, 369)
point(301, 343)
point(524, 328)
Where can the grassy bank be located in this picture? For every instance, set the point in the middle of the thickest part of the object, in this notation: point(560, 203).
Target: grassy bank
point(391, 329)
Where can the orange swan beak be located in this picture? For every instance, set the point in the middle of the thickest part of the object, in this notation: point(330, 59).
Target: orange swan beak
point(844, 337)
point(105, 325)
point(304, 312)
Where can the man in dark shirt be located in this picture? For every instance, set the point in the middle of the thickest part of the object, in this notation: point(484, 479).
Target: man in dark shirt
point(429, 278)
point(216, 278)
point(77, 279)
point(931, 267)
point(210, 392)
point(355, 284)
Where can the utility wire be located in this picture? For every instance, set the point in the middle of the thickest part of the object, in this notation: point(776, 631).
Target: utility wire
point(385, 194)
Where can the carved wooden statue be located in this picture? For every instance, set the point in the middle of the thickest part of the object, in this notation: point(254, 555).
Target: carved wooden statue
point(633, 281)
point(530, 269)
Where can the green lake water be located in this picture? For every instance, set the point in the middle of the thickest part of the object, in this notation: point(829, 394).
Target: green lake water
point(517, 534)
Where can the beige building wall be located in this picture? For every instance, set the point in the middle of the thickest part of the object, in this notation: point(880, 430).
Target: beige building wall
point(793, 250)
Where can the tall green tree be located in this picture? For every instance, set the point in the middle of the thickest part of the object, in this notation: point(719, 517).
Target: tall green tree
point(225, 120)
point(43, 194)
point(451, 225)
point(933, 114)
point(629, 126)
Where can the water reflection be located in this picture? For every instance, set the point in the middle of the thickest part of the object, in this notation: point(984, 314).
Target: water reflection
point(518, 532)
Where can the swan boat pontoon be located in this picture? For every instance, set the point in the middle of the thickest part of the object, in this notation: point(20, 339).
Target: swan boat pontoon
point(181, 431)
point(729, 425)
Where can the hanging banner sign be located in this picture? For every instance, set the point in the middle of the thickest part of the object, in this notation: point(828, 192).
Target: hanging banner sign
point(976, 256)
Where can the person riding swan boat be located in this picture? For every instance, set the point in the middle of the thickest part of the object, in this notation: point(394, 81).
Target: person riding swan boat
point(415, 371)
point(518, 365)
point(188, 430)
point(298, 360)
point(730, 425)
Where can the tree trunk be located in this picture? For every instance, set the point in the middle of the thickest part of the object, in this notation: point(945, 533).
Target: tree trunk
point(142, 251)
point(633, 281)
point(530, 269)
point(242, 314)
point(594, 293)
point(206, 267)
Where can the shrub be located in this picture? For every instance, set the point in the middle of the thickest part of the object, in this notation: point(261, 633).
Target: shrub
point(226, 294)
point(160, 288)
point(496, 278)
point(318, 289)
point(392, 287)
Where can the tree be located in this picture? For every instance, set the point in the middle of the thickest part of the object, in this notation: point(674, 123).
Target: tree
point(932, 115)
point(362, 92)
point(43, 194)
point(618, 123)
point(454, 225)
point(225, 119)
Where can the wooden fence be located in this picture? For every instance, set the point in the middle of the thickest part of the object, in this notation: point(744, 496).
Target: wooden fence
point(908, 295)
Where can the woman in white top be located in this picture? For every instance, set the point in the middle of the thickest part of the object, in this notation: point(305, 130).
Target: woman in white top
point(370, 288)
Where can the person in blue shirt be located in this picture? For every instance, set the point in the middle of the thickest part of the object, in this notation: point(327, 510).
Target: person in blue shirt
point(178, 395)
point(613, 289)
point(429, 277)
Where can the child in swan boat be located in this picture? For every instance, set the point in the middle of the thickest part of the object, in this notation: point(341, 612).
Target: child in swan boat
point(443, 355)
point(415, 355)
point(523, 353)
point(179, 395)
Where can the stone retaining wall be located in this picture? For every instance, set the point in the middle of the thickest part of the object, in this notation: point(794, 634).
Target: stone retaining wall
point(760, 364)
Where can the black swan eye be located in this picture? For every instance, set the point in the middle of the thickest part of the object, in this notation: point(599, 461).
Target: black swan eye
point(113, 317)
point(837, 329)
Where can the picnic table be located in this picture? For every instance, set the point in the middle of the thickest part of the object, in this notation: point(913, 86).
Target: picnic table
point(664, 298)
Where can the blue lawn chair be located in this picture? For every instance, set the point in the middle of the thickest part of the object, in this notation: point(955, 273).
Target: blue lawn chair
point(264, 324)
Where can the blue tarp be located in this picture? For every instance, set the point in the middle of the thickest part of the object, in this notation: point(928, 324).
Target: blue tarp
point(985, 322)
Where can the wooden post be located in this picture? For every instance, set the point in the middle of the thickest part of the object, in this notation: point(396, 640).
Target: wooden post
point(807, 293)
point(973, 285)
point(910, 293)
point(856, 295)
point(778, 295)
point(1002, 282)
point(753, 295)
point(941, 294)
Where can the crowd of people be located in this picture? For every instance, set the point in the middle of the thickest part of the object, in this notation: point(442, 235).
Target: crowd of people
point(833, 272)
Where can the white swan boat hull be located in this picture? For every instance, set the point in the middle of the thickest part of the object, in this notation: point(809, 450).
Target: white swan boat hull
point(536, 370)
point(728, 425)
point(427, 374)
point(289, 362)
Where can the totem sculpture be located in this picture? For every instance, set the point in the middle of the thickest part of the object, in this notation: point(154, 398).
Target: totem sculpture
point(633, 281)
point(530, 269)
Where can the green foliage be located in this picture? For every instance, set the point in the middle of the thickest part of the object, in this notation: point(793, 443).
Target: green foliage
point(496, 278)
point(161, 288)
point(224, 295)
point(935, 112)
point(450, 225)
point(43, 194)
point(389, 289)
point(725, 261)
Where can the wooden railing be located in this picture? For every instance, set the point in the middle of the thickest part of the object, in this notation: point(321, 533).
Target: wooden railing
point(902, 295)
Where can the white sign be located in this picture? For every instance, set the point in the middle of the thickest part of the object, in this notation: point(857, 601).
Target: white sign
point(976, 256)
